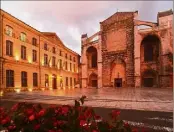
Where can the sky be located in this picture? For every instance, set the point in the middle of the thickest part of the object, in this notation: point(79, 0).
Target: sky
point(70, 19)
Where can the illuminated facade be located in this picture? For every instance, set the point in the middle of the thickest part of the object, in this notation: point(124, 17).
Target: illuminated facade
point(122, 54)
point(30, 59)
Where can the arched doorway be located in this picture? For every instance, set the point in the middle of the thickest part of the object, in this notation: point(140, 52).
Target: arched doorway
point(149, 78)
point(54, 81)
point(93, 80)
point(150, 48)
point(118, 73)
point(91, 57)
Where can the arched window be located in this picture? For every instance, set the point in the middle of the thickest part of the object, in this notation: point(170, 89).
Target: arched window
point(92, 57)
point(9, 30)
point(150, 48)
point(23, 37)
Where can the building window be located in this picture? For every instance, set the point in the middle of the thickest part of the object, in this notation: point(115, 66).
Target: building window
point(71, 81)
point(23, 37)
point(74, 68)
point(23, 52)
point(45, 46)
point(54, 50)
point(60, 64)
point(9, 48)
point(9, 31)
point(34, 41)
point(70, 57)
point(60, 53)
point(53, 61)
point(74, 59)
point(45, 59)
point(46, 80)
point(70, 67)
point(66, 55)
point(24, 78)
point(35, 79)
point(66, 65)
point(74, 81)
point(34, 55)
point(9, 78)
point(66, 81)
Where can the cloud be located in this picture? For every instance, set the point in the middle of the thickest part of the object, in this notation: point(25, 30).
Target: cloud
point(70, 19)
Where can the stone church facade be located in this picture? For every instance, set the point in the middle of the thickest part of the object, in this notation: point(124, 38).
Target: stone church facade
point(123, 55)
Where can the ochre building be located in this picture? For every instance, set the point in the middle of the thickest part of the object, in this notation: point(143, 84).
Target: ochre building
point(128, 52)
point(30, 59)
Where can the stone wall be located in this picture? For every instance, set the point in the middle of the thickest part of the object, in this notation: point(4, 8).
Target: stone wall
point(122, 24)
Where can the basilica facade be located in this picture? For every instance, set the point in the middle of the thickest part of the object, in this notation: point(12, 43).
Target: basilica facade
point(123, 54)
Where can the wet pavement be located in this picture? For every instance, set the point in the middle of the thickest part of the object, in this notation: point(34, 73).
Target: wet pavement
point(149, 99)
point(141, 107)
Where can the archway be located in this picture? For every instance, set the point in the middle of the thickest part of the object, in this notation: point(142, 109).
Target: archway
point(149, 78)
point(118, 73)
point(93, 80)
point(150, 48)
point(91, 57)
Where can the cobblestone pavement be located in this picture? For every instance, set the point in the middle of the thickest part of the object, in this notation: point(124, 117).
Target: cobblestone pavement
point(148, 99)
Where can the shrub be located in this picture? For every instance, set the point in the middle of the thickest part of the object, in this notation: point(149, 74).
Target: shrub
point(27, 117)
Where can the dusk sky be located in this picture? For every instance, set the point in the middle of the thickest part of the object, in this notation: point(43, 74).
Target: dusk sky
point(71, 19)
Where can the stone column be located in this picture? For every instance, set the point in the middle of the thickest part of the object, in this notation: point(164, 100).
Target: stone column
point(84, 68)
point(137, 45)
point(99, 64)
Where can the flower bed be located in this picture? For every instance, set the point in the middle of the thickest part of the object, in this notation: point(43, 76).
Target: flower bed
point(26, 117)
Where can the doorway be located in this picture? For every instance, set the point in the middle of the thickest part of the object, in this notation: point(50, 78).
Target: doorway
point(118, 82)
point(94, 83)
point(148, 82)
point(54, 82)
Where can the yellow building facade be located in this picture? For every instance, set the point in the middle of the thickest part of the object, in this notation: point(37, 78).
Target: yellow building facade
point(30, 59)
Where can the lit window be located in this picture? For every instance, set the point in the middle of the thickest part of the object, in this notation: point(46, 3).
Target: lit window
point(74, 68)
point(23, 37)
point(46, 80)
point(23, 52)
point(9, 78)
point(34, 55)
point(9, 30)
point(45, 59)
point(9, 48)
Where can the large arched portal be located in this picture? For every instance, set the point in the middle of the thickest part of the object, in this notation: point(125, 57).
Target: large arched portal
point(149, 78)
point(150, 48)
point(91, 57)
point(118, 73)
point(93, 80)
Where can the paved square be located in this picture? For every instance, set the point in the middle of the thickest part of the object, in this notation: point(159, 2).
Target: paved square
point(150, 99)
